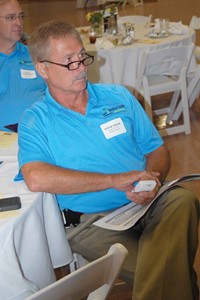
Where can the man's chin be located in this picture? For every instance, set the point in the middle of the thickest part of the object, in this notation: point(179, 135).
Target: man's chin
point(81, 81)
point(82, 84)
point(17, 36)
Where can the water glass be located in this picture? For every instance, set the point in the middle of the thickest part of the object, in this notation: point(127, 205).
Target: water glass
point(164, 26)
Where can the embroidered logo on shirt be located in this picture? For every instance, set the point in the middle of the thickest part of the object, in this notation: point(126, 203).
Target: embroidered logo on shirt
point(113, 110)
point(25, 62)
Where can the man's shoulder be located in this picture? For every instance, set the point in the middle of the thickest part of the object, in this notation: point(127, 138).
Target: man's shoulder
point(20, 50)
point(104, 90)
point(39, 105)
point(107, 87)
point(37, 112)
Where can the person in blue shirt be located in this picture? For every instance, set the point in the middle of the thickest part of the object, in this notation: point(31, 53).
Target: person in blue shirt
point(20, 84)
point(88, 144)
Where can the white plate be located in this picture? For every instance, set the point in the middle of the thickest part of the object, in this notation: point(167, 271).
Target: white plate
point(156, 35)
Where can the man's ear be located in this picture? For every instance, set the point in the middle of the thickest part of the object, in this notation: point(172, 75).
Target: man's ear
point(41, 69)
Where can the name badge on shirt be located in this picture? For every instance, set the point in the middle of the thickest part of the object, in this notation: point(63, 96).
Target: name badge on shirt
point(113, 128)
point(30, 74)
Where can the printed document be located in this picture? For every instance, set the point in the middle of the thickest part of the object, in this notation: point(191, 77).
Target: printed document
point(125, 217)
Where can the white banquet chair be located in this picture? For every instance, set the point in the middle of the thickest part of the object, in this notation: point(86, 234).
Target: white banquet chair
point(164, 71)
point(193, 91)
point(195, 25)
point(94, 280)
point(194, 86)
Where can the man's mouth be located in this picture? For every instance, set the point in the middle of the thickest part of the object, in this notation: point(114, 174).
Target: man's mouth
point(19, 30)
point(80, 76)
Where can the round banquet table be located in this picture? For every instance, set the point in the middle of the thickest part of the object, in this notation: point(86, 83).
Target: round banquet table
point(120, 64)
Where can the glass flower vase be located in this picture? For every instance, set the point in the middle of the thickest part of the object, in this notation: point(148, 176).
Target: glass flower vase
point(98, 29)
point(112, 24)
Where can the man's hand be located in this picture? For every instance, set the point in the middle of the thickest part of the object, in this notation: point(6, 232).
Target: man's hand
point(125, 181)
point(143, 198)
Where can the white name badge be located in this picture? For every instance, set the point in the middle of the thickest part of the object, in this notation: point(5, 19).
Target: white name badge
point(113, 128)
point(30, 74)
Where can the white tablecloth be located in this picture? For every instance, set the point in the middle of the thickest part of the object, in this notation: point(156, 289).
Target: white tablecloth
point(32, 239)
point(120, 64)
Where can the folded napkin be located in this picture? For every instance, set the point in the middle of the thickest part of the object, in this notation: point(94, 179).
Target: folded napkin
point(103, 44)
point(178, 28)
point(174, 27)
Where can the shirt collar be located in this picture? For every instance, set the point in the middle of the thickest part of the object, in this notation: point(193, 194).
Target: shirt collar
point(18, 48)
point(57, 107)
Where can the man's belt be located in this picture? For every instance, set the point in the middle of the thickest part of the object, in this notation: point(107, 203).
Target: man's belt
point(71, 217)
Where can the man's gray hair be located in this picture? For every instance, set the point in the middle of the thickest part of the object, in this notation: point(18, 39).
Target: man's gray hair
point(39, 43)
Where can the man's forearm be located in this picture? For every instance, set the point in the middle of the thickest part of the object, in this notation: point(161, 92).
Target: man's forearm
point(159, 161)
point(44, 177)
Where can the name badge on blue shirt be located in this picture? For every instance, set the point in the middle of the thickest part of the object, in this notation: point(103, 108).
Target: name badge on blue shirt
point(113, 128)
point(28, 74)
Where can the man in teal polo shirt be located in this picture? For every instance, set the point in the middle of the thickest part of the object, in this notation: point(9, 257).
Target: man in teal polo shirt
point(20, 84)
point(88, 144)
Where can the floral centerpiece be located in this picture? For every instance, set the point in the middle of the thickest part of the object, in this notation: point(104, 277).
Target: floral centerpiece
point(96, 20)
point(111, 9)
point(95, 16)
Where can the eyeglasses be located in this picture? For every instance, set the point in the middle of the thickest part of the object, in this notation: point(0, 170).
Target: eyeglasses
point(13, 17)
point(74, 65)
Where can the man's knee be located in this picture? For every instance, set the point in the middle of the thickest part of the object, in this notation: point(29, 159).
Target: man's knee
point(186, 200)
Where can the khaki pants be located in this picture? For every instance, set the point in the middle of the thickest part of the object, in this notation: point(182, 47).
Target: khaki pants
point(162, 247)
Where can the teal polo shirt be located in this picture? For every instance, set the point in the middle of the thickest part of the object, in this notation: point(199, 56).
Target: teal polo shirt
point(20, 85)
point(112, 137)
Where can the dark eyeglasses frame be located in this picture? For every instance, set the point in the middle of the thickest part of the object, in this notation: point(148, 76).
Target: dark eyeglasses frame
point(69, 64)
point(13, 17)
